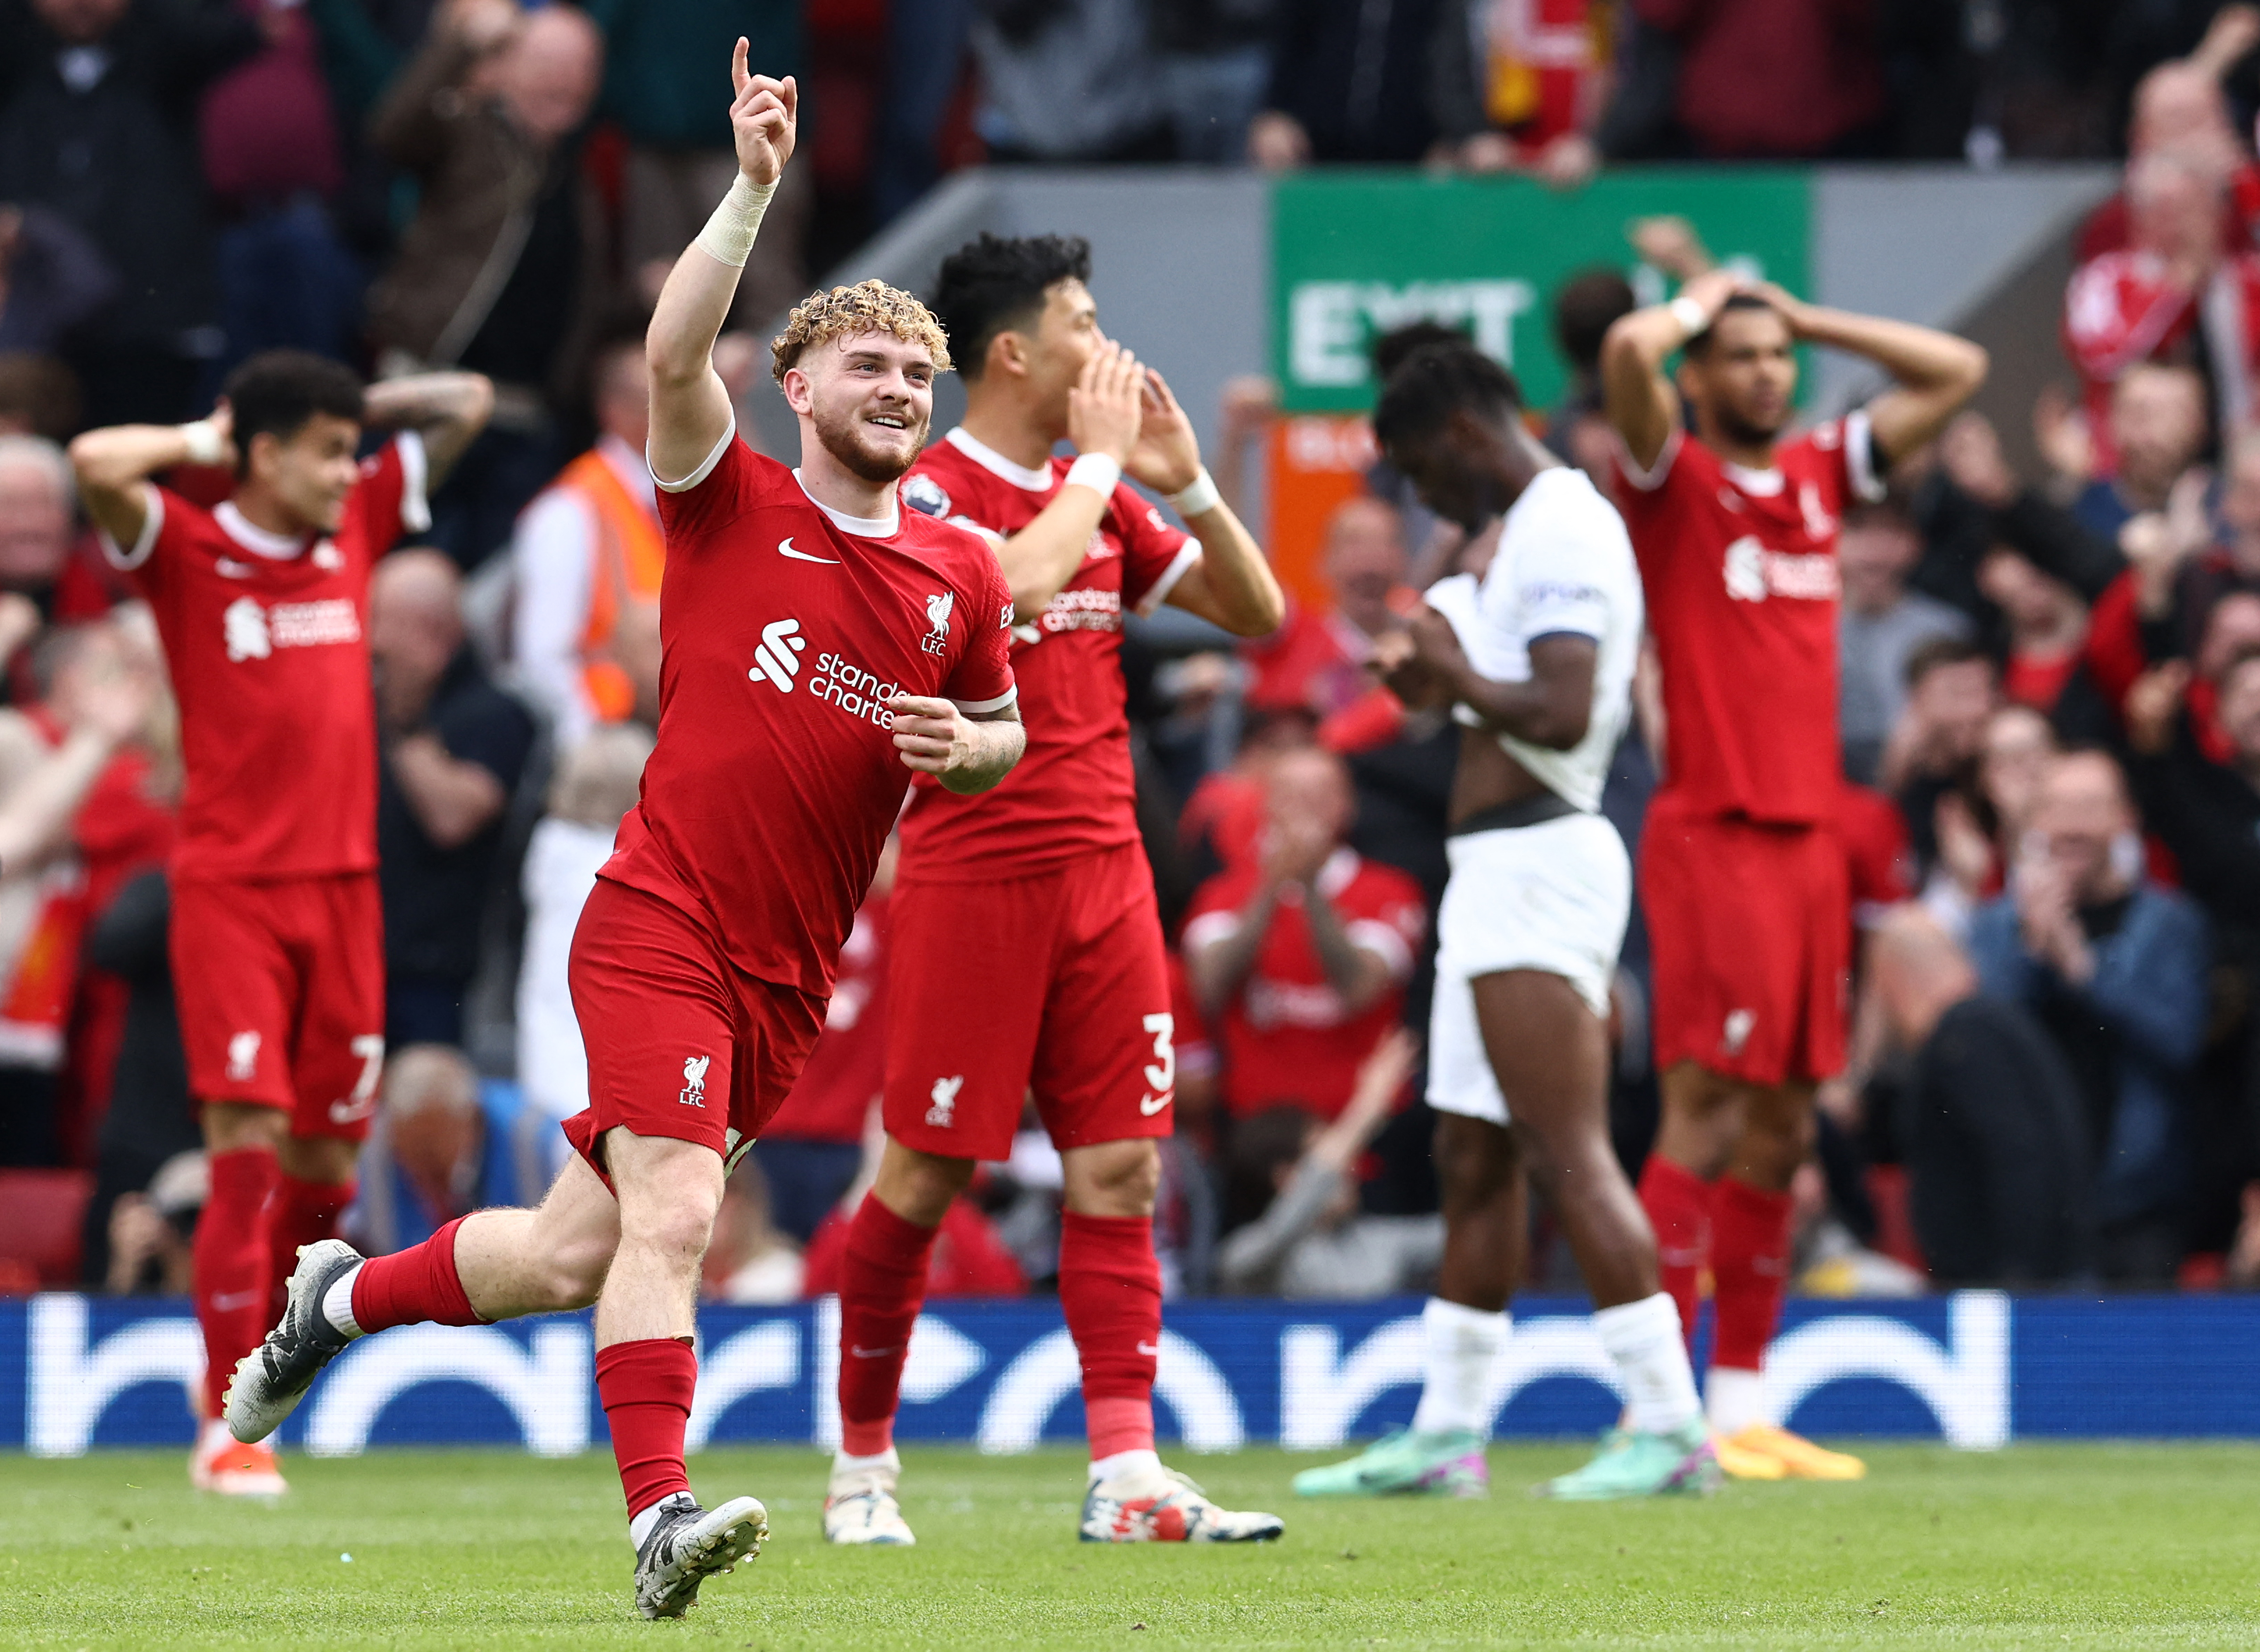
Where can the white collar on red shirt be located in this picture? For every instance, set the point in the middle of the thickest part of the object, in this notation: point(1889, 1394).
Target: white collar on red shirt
point(275, 548)
point(863, 527)
point(994, 462)
point(1759, 484)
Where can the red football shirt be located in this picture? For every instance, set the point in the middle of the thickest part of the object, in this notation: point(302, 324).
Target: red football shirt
point(1073, 793)
point(1740, 567)
point(847, 1069)
point(784, 628)
point(1287, 1036)
point(265, 638)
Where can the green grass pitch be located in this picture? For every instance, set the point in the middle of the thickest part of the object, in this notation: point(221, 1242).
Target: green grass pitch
point(2038, 1547)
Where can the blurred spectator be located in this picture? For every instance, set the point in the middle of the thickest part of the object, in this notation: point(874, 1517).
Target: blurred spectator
point(1979, 829)
point(1069, 80)
point(52, 277)
point(665, 77)
point(1523, 85)
point(1589, 304)
point(503, 269)
point(1316, 661)
point(147, 1237)
point(94, 700)
point(43, 554)
point(1300, 954)
point(1775, 79)
point(1351, 80)
point(749, 1260)
point(812, 1149)
point(597, 783)
point(2155, 428)
point(39, 397)
point(2207, 813)
point(1989, 1121)
point(1307, 1241)
point(2113, 967)
point(150, 1118)
point(455, 747)
point(1941, 730)
point(98, 102)
point(1215, 66)
point(2174, 296)
point(2180, 106)
point(588, 556)
point(2046, 624)
point(271, 156)
point(1879, 625)
point(424, 1163)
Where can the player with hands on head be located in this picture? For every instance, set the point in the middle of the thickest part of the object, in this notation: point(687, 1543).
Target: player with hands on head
point(277, 940)
point(1743, 873)
point(1041, 890)
point(820, 646)
point(1535, 659)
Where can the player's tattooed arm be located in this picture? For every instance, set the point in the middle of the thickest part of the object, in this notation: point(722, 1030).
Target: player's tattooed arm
point(968, 753)
point(113, 466)
point(690, 404)
point(1552, 708)
point(449, 410)
point(1936, 372)
point(1232, 584)
point(1635, 393)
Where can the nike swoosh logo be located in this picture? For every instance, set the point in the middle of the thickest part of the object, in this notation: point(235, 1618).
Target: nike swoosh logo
point(873, 1352)
point(231, 569)
point(785, 549)
point(229, 1302)
point(1151, 1105)
point(1149, 1351)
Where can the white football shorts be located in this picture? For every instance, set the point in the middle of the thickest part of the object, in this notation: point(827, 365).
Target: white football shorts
point(1554, 897)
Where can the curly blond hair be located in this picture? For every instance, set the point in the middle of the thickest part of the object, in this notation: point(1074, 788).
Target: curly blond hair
point(869, 306)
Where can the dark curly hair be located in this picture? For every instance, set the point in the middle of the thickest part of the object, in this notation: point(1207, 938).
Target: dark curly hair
point(998, 283)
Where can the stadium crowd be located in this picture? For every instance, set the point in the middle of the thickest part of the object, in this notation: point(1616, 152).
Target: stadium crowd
point(2050, 681)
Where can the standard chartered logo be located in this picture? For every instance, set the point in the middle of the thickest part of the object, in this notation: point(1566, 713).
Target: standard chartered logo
point(776, 656)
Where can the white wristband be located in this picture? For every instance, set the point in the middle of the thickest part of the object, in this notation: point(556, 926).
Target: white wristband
point(1691, 317)
point(728, 236)
point(1098, 472)
point(205, 447)
point(1198, 499)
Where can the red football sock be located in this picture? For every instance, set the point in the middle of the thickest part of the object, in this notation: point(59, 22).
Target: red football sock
point(1750, 1270)
point(301, 1213)
point(413, 1285)
point(1678, 1206)
point(229, 1262)
point(1110, 1287)
point(645, 1387)
point(882, 1282)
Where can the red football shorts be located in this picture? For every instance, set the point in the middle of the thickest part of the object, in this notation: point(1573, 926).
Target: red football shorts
point(281, 992)
point(1749, 930)
point(681, 1042)
point(1055, 984)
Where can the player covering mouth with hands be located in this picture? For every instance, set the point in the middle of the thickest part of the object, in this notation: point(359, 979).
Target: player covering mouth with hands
point(818, 642)
point(1041, 890)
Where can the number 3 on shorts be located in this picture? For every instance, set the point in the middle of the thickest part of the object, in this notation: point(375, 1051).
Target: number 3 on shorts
point(1162, 1078)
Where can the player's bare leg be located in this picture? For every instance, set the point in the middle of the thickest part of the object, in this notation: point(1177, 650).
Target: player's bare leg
point(1717, 1188)
point(1111, 1290)
point(233, 1267)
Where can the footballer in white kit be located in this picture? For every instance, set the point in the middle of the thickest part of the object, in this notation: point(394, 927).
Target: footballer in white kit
point(1535, 657)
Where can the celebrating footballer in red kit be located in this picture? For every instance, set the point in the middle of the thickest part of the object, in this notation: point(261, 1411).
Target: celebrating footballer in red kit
point(1041, 890)
point(276, 933)
point(820, 646)
point(1743, 867)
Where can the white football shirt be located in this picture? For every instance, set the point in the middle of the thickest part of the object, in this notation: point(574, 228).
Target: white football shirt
point(1564, 565)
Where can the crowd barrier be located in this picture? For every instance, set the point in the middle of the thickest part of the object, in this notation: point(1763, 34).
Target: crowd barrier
point(1977, 1368)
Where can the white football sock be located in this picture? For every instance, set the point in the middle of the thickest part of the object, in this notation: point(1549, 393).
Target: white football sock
point(885, 1464)
point(337, 1302)
point(1644, 1339)
point(639, 1526)
point(1463, 1345)
point(1124, 1462)
point(1737, 1400)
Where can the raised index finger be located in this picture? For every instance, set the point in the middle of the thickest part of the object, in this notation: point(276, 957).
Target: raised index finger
point(738, 76)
